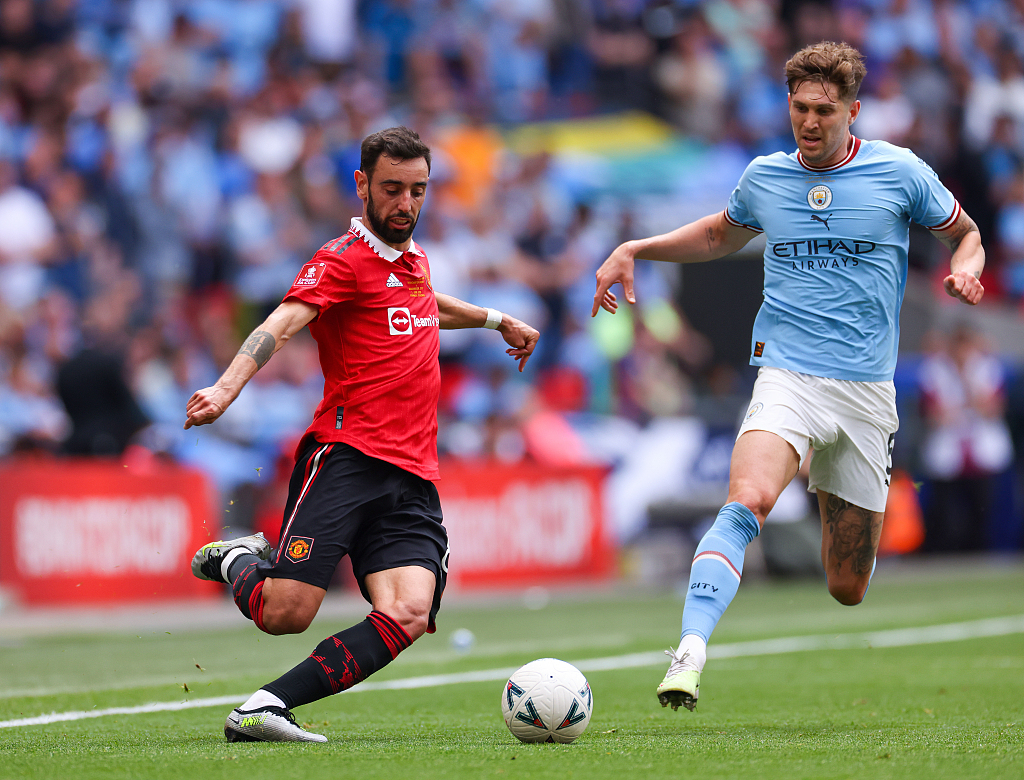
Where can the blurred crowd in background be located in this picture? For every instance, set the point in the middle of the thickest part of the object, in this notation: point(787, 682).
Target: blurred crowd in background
point(166, 167)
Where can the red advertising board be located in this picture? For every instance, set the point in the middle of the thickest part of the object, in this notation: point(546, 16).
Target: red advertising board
point(524, 524)
point(79, 532)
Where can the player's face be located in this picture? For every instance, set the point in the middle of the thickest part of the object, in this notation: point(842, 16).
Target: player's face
point(821, 122)
point(392, 197)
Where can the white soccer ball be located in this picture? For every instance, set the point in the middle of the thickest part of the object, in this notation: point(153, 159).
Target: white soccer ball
point(547, 701)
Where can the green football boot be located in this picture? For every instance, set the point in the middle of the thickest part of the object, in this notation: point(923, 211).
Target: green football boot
point(681, 685)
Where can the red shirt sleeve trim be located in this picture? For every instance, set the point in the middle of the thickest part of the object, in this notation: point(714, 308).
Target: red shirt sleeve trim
point(948, 223)
point(732, 221)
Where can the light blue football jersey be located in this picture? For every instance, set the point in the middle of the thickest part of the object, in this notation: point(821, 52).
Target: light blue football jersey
point(835, 266)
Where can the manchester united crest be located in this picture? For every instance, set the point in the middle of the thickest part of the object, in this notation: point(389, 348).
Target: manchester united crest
point(298, 548)
point(820, 197)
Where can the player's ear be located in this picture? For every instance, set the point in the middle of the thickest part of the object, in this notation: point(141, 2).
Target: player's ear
point(362, 184)
point(854, 111)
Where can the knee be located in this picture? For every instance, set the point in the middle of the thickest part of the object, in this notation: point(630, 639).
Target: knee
point(412, 616)
point(754, 498)
point(848, 592)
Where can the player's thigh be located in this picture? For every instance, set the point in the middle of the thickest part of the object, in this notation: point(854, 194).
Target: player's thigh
point(856, 463)
point(849, 538)
point(405, 588)
point(773, 439)
point(335, 488)
point(411, 543)
point(763, 463)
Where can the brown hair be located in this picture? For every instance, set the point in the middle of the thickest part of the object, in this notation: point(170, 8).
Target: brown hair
point(838, 64)
point(400, 143)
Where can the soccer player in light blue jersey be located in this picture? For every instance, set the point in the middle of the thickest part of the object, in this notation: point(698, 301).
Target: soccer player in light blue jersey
point(836, 215)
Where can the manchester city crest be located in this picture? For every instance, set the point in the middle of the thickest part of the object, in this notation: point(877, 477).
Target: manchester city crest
point(820, 197)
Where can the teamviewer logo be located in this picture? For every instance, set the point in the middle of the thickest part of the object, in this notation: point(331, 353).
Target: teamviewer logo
point(400, 321)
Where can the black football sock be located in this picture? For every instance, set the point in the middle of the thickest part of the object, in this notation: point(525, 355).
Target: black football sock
point(247, 578)
point(342, 660)
point(239, 563)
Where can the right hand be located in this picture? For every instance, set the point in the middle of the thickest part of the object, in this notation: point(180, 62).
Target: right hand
point(207, 405)
point(618, 268)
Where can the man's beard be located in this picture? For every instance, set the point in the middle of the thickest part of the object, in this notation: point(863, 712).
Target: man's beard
point(383, 229)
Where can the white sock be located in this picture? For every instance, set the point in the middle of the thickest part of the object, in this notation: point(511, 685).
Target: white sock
point(261, 699)
point(697, 649)
point(229, 558)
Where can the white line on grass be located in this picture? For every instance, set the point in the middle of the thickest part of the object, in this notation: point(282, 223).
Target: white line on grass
point(900, 637)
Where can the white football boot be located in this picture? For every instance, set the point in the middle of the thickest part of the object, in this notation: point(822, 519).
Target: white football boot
point(267, 724)
point(208, 560)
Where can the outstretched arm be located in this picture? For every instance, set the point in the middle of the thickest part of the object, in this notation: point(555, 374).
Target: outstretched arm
point(708, 238)
point(968, 261)
point(285, 321)
point(456, 314)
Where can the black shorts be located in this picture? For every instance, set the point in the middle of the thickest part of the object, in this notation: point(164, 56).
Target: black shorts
point(342, 502)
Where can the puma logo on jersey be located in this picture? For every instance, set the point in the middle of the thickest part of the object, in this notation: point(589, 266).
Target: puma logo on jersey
point(823, 221)
point(393, 281)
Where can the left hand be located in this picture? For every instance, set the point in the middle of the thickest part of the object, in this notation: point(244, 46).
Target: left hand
point(520, 337)
point(964, 287)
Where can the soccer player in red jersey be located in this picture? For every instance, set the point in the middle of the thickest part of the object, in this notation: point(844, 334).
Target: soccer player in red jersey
point(362, 483)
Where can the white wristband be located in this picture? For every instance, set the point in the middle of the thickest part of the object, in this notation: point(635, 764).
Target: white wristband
point(493, 319)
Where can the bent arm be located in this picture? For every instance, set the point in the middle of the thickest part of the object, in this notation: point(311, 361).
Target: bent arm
point(709, 238)
point(456, 314)
point(964, 240)
point(285, 321)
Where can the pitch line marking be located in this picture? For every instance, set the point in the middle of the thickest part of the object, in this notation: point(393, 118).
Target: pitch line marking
point(899, 637)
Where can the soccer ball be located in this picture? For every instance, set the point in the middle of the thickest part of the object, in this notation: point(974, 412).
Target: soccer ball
point(547, 701)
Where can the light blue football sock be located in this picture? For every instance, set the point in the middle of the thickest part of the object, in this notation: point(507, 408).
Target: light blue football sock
point(717, 568)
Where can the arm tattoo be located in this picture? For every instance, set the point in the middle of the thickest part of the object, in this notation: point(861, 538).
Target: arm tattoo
point(959, 229)
point(259, 346)
point(855, 533)
point(710, 232)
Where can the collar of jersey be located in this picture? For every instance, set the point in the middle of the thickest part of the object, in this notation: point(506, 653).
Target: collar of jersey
point(379, 247)
point(854, 148)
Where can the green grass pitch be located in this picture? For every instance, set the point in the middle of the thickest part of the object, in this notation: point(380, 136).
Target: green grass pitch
point(938, 710)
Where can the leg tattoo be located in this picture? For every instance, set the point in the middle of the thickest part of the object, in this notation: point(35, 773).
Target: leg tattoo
point(855, 533)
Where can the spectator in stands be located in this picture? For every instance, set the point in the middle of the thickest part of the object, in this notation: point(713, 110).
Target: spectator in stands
point(205, 146)
point(967, 442)
point(92, 384)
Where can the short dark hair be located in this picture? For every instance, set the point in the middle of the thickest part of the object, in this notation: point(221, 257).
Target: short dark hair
point(828, 62)
point(400, 143)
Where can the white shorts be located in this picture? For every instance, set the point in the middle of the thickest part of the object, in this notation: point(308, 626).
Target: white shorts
point(850, 425)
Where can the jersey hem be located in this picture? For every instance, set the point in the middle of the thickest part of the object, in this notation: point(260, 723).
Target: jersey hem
point(844, 376)
point(419, 470)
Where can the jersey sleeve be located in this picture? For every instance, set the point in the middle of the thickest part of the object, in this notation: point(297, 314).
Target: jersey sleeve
point(738, 212)
point(323, 281)
point(929, 202)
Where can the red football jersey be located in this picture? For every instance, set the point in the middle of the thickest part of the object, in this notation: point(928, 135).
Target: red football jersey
point(377, 332)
